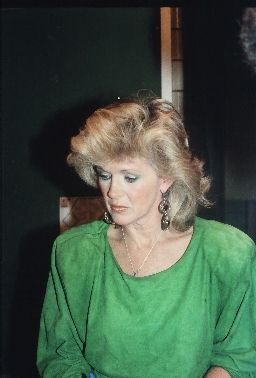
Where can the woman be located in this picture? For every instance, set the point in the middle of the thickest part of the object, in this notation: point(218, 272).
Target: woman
point(155, 291)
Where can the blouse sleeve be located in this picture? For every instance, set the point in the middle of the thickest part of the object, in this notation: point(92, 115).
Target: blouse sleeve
point(235, 333)
point(60, 347)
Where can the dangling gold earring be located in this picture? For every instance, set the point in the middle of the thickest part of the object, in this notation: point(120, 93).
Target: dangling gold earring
point(164, 208)
point(107, 218)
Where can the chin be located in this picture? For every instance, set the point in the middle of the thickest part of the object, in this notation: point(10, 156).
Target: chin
point(121, 221)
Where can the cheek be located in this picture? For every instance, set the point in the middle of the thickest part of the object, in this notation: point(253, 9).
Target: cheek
point(142, 193)
point(147, 193)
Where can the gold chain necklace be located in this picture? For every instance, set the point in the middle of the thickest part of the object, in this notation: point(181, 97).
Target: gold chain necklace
point(136, 271)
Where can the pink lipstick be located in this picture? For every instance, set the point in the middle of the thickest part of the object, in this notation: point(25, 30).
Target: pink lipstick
point(118, 209)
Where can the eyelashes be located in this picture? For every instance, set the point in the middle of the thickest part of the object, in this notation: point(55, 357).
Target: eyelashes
point(131, 179)
point(101, 174)
point(104, 176)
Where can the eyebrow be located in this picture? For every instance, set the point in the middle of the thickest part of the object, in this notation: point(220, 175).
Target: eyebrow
point(98, 168)
point(127, 170)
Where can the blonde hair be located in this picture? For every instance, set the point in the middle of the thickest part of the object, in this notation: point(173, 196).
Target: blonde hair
point(151, 129)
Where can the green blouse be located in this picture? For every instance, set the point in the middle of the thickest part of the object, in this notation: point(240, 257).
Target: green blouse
point(200, 312)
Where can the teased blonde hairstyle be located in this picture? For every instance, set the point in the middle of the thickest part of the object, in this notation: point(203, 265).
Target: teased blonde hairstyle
point(151, 129)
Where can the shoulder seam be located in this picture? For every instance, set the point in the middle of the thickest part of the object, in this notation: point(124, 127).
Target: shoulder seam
point(69, 235)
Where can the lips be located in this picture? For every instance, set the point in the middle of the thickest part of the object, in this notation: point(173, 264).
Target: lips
point(118, 209)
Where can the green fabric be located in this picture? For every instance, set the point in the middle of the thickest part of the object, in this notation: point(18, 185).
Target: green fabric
point(176, 324)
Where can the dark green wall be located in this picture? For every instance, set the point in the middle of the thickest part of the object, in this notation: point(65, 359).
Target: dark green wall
point(58, 65)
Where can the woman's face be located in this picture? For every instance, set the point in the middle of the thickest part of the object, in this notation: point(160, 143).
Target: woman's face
point(131, 190)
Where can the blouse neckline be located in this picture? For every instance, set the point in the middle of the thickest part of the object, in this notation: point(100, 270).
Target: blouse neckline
point(173, 267)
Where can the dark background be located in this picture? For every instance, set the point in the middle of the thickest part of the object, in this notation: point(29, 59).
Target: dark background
point(59, 64)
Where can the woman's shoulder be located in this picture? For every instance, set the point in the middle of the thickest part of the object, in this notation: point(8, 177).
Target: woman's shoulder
point(224, 246)
point(222, 232)
point(79, 251)
point(90, 230)
point(88, 238)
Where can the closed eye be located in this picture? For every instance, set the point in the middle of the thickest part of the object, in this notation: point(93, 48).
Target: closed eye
point(131, 179)
point(102, 175)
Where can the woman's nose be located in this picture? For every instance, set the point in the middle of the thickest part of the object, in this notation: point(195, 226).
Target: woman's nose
point(114, 189)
